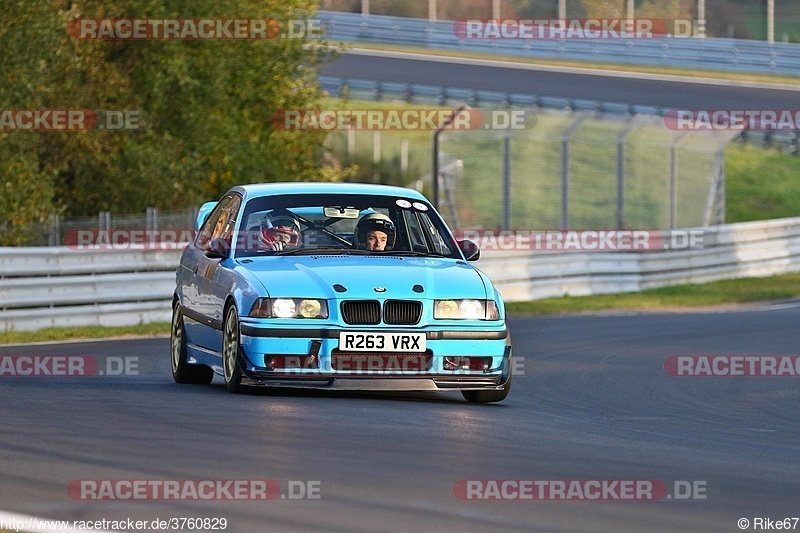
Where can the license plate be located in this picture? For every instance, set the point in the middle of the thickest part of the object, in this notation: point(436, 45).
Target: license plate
point(381, 342)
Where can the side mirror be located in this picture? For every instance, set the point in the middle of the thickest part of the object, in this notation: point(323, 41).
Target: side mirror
point(218, 249)
point(470, 250)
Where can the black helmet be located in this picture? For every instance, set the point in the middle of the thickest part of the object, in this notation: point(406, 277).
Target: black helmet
point(375, 222)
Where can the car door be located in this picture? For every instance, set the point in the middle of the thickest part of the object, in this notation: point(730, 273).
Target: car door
point(219, 285)
point(204, 319)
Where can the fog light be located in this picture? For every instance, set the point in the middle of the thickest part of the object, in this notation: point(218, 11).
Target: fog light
point(456, 363)
point(478, 364)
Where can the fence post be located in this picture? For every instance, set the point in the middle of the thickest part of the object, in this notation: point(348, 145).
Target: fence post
point(621, 139)
point(506, 181)
point(351, 144)
point(721, 187)
point(673, 185)
point(55, 230)
point(376, 155)
point(104, 220)
point(673, 180)
point(152, 219)
point(565, 138)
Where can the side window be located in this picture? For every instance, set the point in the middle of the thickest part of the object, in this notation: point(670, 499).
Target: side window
point(440, 247)
point(415, 235)
point(220, 222)
point(227, 220)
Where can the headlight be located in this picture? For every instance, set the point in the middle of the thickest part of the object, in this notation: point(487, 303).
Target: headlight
point(289, 308)
point(466, 310)
point(283, 308)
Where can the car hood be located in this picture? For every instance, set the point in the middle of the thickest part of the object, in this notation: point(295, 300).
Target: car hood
point(315, 277)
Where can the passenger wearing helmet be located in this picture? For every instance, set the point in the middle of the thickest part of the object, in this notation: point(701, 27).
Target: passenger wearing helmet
point(375, 232)
point(279, 230)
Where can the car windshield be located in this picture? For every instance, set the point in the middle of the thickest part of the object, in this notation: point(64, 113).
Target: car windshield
point(338, 224)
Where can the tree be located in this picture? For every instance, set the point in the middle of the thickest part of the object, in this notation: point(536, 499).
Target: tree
point(205, 107)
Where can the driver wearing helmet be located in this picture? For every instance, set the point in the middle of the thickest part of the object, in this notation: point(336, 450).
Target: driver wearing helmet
point(375, 232)
point(279, 230)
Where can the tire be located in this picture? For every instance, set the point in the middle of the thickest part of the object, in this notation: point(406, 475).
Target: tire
point(489, 396)
point(230, 351)
point(182, 371)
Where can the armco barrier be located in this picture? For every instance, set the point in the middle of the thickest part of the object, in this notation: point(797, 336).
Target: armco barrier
point(43, 287)
point(736, 55)
point(59, 287)
point(748, 249)
point(440, 95)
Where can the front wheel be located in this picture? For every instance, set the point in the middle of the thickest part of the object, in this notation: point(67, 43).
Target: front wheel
point(230, 351)
point(488, 396)
point(182, 371)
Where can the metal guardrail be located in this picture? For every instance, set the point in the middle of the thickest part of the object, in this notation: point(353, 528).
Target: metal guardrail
point(365, 89)
point(44, 287)
point(736, 55)
point(60, 287)
point(748, 249)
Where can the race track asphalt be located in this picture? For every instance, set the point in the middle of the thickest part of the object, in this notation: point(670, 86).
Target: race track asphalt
point(611, 88)
point(592, 401)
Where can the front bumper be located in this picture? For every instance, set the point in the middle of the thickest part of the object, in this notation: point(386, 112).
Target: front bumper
point(259, 344)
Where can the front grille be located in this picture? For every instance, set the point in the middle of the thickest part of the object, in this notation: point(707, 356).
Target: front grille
point(402, 311)
point(361, 311)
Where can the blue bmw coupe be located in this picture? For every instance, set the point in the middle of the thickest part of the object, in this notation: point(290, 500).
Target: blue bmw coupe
point(336, 286)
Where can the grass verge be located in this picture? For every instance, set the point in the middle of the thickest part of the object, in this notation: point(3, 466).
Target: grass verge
point(85, 332)
point(734, 291)
point(760, 184)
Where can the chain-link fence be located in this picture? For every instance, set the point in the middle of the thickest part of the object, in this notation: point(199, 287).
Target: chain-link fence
point(563, 170)
point(111, 228)
point(584, 171)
